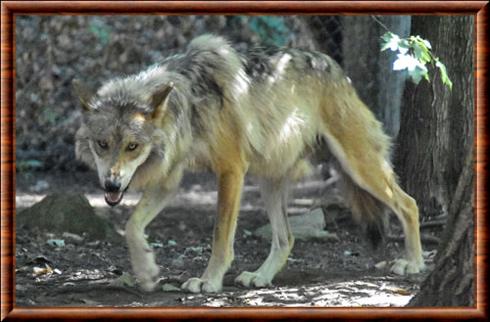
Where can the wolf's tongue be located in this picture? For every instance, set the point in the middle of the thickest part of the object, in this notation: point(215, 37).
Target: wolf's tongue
point(113, 198)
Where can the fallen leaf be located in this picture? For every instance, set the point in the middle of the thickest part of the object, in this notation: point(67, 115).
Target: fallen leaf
point(401, 291)
point(38, 271)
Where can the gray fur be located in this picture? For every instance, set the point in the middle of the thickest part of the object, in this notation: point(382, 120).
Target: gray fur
point(263, 111)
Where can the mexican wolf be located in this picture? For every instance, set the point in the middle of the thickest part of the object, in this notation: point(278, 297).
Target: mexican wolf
point(263, 112)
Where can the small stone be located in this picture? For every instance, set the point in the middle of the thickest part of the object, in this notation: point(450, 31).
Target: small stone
point(381, 265)
point(56, 242)
point(170, 288)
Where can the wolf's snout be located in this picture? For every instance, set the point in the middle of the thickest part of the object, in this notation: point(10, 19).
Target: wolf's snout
point(113, 194)
point(112, 186)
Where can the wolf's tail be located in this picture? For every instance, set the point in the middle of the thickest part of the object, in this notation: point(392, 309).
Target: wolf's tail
point(357, 141)
point(367, 211)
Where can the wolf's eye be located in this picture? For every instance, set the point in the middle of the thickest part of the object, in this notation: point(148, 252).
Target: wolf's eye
point(102, 144)
point(132, 146)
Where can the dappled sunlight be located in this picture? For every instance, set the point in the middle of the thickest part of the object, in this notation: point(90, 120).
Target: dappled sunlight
point(352, 293)
point(25, 199)
point(280, 68)
point(292, 126)
point(194, 196)
point(241, 84)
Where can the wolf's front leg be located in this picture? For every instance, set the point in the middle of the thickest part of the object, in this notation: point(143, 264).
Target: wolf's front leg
point(142, 257)
point(230, 187)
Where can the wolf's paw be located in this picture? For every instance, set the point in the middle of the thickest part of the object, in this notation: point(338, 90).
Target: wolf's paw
point(148, 277)
point(252, 279)
point(199, 285)
point(404, 267)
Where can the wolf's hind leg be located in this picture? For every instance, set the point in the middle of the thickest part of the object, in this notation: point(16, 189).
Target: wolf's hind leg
point(377, 178)
point(358, 142)
point(385, 188)
point(407, 212)
point(275, 195)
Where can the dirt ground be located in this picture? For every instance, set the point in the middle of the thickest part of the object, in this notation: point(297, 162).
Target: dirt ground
point(83, 272)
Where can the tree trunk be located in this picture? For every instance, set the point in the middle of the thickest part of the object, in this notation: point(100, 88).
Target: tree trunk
point(371, 70)
point(435, 163)
point(437, 131)
point(452, 282)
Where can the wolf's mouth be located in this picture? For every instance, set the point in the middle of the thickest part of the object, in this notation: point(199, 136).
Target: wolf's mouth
point(113, 198)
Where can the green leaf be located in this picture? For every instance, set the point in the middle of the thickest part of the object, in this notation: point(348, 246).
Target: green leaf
point(445, 79)
point(426, 43)
point(421, 53)
point(418, 73)
point(414, 53)
point(384, 46)
point(387, 36)
point(403, 46)
point(389, 40)
point(408, 62)
point(421, 43)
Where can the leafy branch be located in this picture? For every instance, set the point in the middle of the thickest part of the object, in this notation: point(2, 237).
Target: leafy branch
point(414, 54)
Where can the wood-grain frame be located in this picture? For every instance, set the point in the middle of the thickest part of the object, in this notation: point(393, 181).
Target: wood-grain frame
point(11, 8)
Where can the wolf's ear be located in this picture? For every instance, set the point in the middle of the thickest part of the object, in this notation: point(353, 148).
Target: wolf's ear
point(159, 100)
point(83, 93)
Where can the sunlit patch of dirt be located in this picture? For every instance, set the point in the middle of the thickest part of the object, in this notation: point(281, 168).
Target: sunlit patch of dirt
point(367, 292)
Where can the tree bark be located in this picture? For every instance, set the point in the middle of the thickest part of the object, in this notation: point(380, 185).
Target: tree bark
point(437, 131)
point(452, 282)
point(435, 163)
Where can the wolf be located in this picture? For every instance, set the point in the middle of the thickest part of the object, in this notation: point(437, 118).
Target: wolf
point(265, 111)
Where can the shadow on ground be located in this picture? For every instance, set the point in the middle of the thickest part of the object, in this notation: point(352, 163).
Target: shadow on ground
point(76, 271)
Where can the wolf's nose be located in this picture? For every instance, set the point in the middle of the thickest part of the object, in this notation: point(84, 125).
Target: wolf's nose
point(111, 186)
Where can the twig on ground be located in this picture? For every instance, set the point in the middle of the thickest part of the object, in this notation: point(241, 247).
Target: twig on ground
point(90, 288)
point(440, 217)
point(424, 238)
point(432, 223)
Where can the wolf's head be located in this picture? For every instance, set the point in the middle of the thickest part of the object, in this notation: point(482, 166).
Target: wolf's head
point(116, 136)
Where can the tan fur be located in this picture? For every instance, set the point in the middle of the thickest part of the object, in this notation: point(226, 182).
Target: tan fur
point(230, 168)
point(213, 108)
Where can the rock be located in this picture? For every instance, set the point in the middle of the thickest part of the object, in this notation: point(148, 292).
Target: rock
point(381, 265)
point(305, 227)
point(60, 213)
point(73, 237)
point(170, 288)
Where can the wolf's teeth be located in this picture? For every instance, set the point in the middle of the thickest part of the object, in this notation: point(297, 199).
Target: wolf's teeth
point(113, 198)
